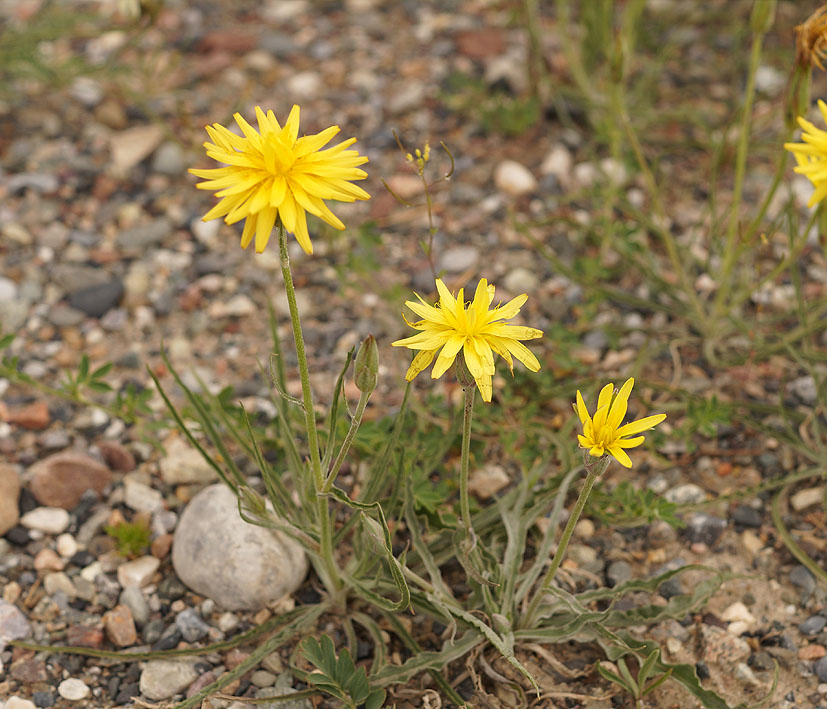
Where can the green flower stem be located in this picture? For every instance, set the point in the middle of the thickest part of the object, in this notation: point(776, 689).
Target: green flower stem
point(464, 502)
point(332, 580)
point(730, 248)
point(791, 257)
point(351, 434)
point(592, 473)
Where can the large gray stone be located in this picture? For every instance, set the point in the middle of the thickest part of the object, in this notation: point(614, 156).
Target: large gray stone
point(239, 565)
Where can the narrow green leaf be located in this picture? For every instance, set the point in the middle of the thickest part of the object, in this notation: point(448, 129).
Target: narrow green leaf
point(647, 667)
point(83, 369)
point(613, 677)
point(101, 371)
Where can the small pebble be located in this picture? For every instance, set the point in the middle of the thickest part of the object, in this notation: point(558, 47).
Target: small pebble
point(802, 579)
point(807, 498)
point(133, 598)
point(618, 572)
point(227, 621)
point(685, 494)
point(812, 652)
point(49, 520)
point(162, 679)
point(820, 669)
point(705, 528)
point(263, 678)
point(66, 545)
point(43, 699)
point(737, 612)
point(813, 625)
point(18, 703)
point(191, 625)
point(73, 689)
point(138, 572)
point(747, 516)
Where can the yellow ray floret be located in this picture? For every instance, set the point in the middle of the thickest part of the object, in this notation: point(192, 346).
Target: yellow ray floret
point(271, 174)
point(603, 433)
point(811, 155)
point(478, 331)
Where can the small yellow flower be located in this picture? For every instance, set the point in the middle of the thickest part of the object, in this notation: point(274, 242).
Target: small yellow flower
point(811, 155)
point(477, 331)
point(272, 173)
point(603, 433)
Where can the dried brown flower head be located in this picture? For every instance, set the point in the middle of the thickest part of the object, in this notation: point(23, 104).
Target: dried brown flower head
point(811, 39)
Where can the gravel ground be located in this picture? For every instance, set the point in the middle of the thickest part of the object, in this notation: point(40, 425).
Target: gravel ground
point(103, 253)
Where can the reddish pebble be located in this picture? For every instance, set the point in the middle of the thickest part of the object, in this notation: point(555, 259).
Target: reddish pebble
point(29, 671)
point(117, 457)
point(161, 546)
point(34, 417)
point(200, 683)
point(60, 479)
point(120, 627)
point(48, 560)
point(812, 652)
point(84, 636)
point(724, 469)
point(232, 41)
point(233, 658)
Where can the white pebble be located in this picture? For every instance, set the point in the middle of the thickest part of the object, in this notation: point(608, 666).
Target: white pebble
point(18, 703)
point(73, 689)
point(49, 520)
point(66, 545)
point(514, 179)
point(138, 572)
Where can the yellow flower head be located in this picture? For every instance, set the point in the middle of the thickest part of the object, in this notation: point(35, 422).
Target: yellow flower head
point(603, 433)
point(479, 332)
point(272, 173)
point(811, 155)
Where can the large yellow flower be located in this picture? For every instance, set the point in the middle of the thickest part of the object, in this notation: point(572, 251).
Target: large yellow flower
point(449, 327)
point(603, 433)
point(811, 155)
point(272, 173)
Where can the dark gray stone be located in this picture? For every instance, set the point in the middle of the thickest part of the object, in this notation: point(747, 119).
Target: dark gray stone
point(191, 626)
point(747, 516)
point(803, 580)
point(705, 528)
point(94, 301)
point(152, 631)
point(821, 669)
point(813, 625)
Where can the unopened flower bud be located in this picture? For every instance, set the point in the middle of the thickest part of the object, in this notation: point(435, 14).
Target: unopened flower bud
point(252, 501)
point(762, 16)
point(366, 366)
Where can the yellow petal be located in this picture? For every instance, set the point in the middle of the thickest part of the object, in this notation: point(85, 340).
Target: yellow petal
point(266, 220)
point(582, 411)
point(420, 361)
point(620, 456)
point(620, 405)
point(643, 424)
point(603, 402)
